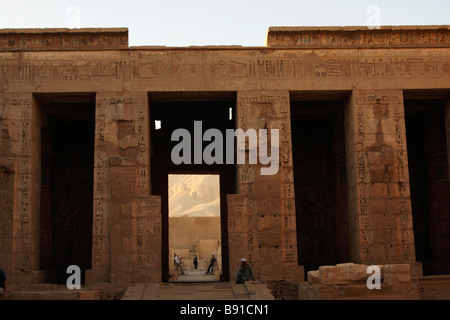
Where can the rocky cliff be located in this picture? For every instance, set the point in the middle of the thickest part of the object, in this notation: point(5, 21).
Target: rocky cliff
point(194, 196)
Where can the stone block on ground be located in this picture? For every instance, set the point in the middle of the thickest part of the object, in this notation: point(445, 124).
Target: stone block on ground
point(348, 273)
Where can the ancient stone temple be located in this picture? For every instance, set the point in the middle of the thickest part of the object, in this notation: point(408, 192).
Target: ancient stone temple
point(363, 172)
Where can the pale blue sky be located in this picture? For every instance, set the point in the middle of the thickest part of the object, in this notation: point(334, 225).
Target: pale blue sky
point(214, 22)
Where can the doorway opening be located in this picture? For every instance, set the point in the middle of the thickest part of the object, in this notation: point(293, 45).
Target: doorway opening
point(195, 228)
point(320, 178)
point(429, 181)
point(172, 111)
point(67, 162)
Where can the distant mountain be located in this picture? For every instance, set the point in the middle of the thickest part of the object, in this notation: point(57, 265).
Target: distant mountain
point(194, 196)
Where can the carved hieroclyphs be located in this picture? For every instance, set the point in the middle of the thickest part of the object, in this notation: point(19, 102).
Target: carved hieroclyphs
point(270, 209)
point(122, 170)
point(368, 71)
point(21, 121)
point(101, 237)
point(392, 37)
point(380, 206)
point(24, 183)
point(63, 39)
point(307, 67)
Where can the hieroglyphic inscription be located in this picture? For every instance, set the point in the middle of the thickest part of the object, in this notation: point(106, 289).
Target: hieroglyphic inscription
point(143, 179)
point(85, 71)
point(101, 186)
point(405, 224)
point(288, 214)
point(63, 70)
point(63, 40)
point(290, 247)
point(369, 67)
point(274, 110)
point(241, 227)
point(137, 106)
point(149, 70)
point(24, 177)
point(146, 237)
point(139, 227)
point(392, 103)
point(359, 38)
point(309, 68)
point(280, 104)
point(362, 192)
point(260, 69)
point(268, 70)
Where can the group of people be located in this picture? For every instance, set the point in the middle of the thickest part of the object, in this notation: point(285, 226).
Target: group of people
point(179, 263)
point(245, 272)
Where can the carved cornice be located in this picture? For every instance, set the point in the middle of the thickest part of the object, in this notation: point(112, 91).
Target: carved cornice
point(63, 39)
point(359, 37)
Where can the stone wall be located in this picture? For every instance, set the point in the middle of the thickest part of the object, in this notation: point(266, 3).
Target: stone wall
point(371, 72)
point(186, 231)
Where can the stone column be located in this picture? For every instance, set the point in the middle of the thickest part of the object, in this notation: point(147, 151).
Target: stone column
point(262, 216)
point(20, 175)
point(380, 218)
point(127, 231)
